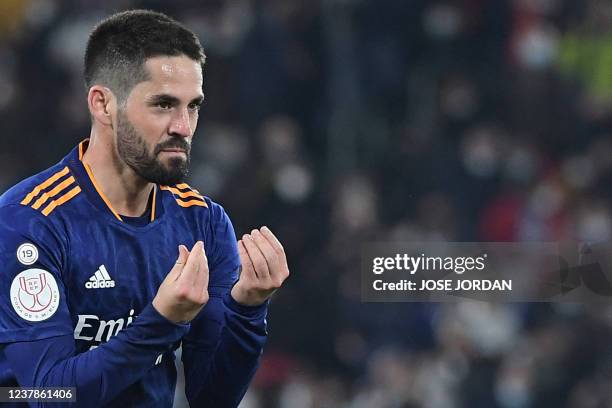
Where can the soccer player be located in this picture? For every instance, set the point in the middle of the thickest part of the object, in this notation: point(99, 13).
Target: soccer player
point(109, 261)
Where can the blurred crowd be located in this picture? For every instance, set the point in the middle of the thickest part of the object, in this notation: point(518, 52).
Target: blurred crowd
point(340, 122)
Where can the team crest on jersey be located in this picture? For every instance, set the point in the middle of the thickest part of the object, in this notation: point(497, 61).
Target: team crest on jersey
point(35, 295)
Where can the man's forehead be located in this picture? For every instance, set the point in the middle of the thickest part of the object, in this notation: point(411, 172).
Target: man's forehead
point(178, 69)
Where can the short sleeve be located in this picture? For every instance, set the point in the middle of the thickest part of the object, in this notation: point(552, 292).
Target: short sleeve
point(223, 258)
point(33, 302)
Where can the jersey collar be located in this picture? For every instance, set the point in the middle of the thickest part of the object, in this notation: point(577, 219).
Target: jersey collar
point(93, 191)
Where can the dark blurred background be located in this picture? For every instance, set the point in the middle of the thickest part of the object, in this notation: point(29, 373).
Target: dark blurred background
point(339, 122)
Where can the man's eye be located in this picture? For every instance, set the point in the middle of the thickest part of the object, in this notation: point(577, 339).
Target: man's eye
point(164, 105)
point(195, 106)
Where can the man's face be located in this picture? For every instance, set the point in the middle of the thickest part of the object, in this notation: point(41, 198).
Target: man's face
point(155, 128)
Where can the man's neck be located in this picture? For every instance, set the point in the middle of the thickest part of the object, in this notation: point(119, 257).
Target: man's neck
point(127, 192)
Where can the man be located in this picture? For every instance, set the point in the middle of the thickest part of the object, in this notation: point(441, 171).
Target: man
point(93, 293)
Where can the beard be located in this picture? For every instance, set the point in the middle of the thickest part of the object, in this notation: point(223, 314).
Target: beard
point(134, 151)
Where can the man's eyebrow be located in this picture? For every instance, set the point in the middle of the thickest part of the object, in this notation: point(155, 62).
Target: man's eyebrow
point(172, 100)
point(198, 100)
point(169, 99)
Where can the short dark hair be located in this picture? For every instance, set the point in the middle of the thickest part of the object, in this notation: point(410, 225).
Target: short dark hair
point(119, 46)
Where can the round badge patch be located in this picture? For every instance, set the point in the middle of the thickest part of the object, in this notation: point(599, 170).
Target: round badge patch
point(27, 253)
point(35, 295)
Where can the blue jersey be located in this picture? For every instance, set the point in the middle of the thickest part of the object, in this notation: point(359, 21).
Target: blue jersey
point(77, 285)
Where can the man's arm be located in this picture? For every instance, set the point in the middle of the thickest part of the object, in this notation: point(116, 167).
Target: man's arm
point(40, 347)
point(222, 350)
point(100, 374)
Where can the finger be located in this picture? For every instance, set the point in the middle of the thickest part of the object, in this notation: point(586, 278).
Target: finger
point(183, 254)
point(278, 247)
point(201, 283)
point(267, 251)
point(259, 262)
point(176, 270)
point(248, 270)
point(193, 264)
point(282, 272)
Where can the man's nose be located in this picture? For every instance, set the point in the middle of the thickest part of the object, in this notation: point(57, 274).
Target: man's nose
point(180, 125)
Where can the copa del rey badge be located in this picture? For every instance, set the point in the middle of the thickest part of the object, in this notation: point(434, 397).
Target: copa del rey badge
point(35, 295)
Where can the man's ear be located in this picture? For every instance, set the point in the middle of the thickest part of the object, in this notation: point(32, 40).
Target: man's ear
point(101, 102)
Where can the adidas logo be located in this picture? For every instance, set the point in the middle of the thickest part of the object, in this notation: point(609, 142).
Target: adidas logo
point(100, 279)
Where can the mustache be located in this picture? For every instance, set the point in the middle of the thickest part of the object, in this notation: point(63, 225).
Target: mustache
point(174, 144)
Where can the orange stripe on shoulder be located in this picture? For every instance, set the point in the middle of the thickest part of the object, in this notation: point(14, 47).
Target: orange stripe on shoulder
point(179, 194)
point(191, 203)
point(185, 186)
point(182, 194)
point(28, 199)
point(62, 200)
point(50, 194)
